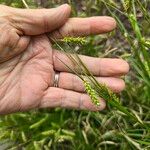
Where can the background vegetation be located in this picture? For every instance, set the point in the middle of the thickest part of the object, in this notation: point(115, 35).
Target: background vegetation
point(109, 129)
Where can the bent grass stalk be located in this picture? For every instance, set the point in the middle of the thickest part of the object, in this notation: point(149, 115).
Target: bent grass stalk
point(93, 88)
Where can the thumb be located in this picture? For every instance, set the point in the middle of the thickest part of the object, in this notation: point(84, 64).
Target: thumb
point(37, 21)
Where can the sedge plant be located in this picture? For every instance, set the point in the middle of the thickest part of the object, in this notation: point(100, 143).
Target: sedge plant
point(93, 88)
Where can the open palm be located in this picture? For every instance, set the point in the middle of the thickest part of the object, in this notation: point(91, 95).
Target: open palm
point(25, 78)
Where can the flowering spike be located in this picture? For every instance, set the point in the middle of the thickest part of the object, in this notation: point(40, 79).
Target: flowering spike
point(126, 4)
point(78, 40)
point(91, 92)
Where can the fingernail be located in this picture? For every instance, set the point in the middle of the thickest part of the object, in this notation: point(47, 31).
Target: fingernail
point(111, 22)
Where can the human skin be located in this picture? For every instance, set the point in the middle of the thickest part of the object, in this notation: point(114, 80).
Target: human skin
point(28, 62)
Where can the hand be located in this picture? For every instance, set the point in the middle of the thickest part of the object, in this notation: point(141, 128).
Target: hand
point(26, 81)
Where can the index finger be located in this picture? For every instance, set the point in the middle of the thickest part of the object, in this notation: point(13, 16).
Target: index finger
point(84, 27)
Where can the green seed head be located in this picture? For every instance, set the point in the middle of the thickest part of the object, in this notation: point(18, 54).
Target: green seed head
point(91, 92)
point(126, 4)
point(76, 40)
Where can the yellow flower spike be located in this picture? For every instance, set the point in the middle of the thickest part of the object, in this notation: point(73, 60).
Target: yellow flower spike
point(91, 92)
point(77, 40)
point(126, 4)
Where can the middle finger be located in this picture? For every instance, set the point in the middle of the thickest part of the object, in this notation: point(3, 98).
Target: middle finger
point(97, 66)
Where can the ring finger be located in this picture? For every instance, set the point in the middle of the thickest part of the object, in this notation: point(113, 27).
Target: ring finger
point(70, 81)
